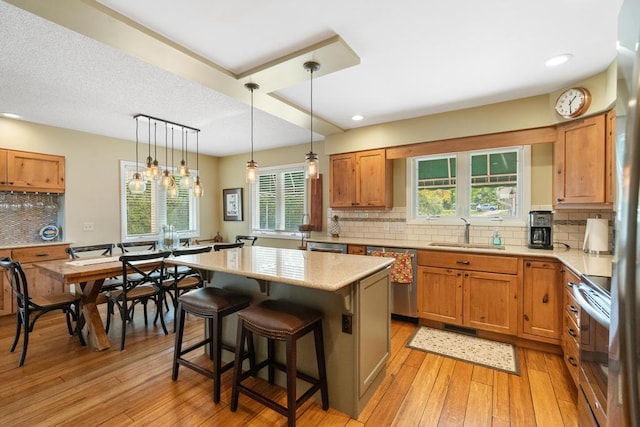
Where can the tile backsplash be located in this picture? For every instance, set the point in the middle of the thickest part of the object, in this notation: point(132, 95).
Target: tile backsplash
point(23, 215)
point(568, 227)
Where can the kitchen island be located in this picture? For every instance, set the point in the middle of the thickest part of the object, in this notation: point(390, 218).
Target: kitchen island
point(351, 291)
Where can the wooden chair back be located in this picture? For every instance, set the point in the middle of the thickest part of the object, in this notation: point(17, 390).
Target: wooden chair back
point(246, 238)
point(148, 245)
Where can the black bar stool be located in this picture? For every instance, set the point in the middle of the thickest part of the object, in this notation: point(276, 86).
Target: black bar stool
point(279, 320)
point(213, 304)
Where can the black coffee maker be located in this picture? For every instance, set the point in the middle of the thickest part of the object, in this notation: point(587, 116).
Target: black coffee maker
point(540, 230)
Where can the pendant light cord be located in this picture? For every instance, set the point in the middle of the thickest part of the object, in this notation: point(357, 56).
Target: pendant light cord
point(311, 109)
point(136, 145)
point(252, 124)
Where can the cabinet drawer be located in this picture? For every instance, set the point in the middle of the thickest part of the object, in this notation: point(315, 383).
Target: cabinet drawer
point(571, 306)
point(468, 261)
point(39, 253)
point(571, 357)
point(570, 328)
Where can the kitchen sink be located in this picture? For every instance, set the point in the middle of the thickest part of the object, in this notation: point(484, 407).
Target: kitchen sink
point(466, 245)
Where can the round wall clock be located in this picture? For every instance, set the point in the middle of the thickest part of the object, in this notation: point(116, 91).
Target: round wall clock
point(573, 102)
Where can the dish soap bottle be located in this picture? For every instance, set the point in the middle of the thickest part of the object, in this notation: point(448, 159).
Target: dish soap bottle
point(496, 239)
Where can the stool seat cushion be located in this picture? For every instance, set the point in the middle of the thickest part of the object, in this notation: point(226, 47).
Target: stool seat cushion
point(279, 317)
point(208, 300)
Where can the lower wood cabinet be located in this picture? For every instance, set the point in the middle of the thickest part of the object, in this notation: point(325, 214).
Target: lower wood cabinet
point(39, 284)
point(542, 295)
point(465, 297)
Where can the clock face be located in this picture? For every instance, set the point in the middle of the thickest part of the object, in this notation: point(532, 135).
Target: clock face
point(573, 102)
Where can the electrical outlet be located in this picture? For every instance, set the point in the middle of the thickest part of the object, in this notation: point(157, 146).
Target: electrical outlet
point(87, 226)
point(347, 323)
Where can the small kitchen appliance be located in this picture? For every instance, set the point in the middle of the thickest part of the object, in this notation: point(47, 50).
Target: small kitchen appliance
point(540, 230)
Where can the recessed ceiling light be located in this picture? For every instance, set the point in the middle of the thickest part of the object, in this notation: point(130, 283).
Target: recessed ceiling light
point(357, 118)
point(557, 60)
point(10, 115)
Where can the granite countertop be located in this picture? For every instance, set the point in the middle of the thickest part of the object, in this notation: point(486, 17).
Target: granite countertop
point(318, 270)
point(575, 259)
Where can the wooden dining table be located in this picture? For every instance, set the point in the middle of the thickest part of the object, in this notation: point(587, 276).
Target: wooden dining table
point(89, 274)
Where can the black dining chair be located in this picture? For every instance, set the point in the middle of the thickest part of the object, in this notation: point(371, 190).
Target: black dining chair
point(184, 278)
point(145, 245)
point(29, 309)
point(142, 280)
point(102, 249)
point(246, 239)
point(221, 246)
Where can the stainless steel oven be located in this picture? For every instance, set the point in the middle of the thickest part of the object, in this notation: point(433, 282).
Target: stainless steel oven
point(594, 296)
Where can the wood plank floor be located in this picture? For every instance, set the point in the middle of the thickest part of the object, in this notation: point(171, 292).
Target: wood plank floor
point(63, 383)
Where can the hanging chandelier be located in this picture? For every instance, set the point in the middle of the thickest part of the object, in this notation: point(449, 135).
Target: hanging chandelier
point(252, 166)
point(166, 178)
point(311, 163)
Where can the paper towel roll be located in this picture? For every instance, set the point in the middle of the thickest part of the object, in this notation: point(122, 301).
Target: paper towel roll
point(596, 236)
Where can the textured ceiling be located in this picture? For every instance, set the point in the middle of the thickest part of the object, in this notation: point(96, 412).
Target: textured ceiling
point(414, 57)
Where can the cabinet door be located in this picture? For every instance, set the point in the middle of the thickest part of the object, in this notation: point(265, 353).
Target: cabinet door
point(580, 157)
point(3, 168)
point(342, 181)
point(6, 295)
point(371, 178)
point(440, 294)
point(491, 302)
point(35, 172)
point(542, 299)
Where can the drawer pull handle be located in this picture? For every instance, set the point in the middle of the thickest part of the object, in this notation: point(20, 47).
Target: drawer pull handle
point(573, 309)
point(41, 255)
point(572, 332)
point(545, 298)
point(572, 361)
point(570, 284)
point(462, 262)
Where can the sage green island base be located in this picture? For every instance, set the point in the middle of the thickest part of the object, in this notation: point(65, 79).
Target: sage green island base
point(351, 291)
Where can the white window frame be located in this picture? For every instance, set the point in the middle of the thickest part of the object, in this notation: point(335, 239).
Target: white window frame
point(463, 188)
point(159, 198)
point(255, 217)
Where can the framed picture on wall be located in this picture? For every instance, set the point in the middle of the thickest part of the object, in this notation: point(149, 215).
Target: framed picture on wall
point(232, 204)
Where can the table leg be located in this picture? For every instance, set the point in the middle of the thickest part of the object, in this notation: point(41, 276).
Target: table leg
point(91, 316)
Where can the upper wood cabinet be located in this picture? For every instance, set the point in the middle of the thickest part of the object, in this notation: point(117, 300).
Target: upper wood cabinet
point(24, 171)
point(361, 180)
point(583, 162)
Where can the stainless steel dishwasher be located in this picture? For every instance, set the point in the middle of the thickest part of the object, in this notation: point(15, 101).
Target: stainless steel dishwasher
point(404, 294)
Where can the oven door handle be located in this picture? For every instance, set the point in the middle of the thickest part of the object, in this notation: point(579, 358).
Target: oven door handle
point(586, 306)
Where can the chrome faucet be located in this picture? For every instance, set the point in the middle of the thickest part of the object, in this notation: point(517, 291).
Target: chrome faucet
point(466, 230)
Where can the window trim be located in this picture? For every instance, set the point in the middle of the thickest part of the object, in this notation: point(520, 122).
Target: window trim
point(194, 210)
point(462, 167)
point(288, 235)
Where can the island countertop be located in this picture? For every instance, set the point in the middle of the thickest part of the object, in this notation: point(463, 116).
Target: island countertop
point(317, 270)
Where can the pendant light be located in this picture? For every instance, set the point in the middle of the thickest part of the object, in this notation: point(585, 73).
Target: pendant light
point(148, 170)
point(137, 185)
point(252, 166)
point(182, 170)
point(166, 176)
point(172, 191)
point(187, 180)
point(198, 190)
point(156, 172)
point(311, 164)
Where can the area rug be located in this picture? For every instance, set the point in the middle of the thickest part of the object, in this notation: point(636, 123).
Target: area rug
point(480, 351)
